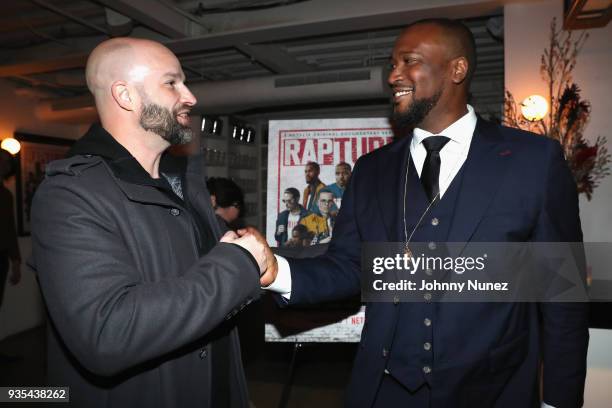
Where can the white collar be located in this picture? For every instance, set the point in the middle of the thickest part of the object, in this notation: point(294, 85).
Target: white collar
point(459, 131)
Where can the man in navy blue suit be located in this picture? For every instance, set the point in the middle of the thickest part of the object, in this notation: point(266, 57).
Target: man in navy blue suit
point(458, 178)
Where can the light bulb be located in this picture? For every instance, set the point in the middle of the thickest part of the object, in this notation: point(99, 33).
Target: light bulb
point(534, 108)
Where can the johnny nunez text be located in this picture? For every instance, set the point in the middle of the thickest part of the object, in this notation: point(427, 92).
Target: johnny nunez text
point(470, 285)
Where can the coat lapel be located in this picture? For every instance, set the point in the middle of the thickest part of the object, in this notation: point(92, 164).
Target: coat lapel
point(390, 177)
point(486, 165)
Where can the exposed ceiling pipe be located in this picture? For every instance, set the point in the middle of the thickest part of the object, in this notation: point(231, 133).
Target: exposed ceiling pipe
point(81, 115)
point(225, 97)
point(231, 96)
point(118, 24)
point(69, 16)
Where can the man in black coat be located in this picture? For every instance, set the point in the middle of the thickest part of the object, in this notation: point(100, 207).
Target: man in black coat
point(140, 293)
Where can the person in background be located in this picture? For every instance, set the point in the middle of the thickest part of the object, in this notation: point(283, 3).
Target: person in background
point(227, 200)
point(287, 220)
point(10, 259)
point(314, 185)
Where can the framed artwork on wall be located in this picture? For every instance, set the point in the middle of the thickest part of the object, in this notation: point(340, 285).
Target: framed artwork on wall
point(36, 152)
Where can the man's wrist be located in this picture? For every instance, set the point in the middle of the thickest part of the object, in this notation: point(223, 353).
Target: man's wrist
point(282, 283)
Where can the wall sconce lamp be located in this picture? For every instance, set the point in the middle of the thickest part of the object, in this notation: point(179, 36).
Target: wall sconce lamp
point(11, 145)
point(534, 108)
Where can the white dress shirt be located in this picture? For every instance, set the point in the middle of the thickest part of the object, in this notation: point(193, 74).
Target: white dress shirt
point(453, 154)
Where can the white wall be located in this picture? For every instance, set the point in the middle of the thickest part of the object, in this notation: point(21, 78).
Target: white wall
point(526, 29)
point(22, 306)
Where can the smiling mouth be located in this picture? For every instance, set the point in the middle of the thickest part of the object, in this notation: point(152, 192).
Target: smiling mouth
point(402, 92)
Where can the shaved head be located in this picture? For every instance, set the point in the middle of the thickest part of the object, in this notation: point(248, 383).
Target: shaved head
point(458, 40)
point(138, 86)
point(127, 59)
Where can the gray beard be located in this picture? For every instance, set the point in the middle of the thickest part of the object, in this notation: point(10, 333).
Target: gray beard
point(416, 113)
point(161, 121)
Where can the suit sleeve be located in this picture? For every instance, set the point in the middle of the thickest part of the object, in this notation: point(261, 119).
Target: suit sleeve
point(335, 274)
point(108, 317)
point(565, 333)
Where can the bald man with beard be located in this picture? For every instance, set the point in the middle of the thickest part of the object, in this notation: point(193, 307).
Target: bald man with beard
point(141, 284)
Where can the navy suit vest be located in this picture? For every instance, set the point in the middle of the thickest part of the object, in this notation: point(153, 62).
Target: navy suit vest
point(411, 358)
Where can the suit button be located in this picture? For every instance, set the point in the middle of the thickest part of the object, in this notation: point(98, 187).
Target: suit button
point(203, 354)
point(385, 352)
point(427, 296)
point(432, 246)
point(427, 322)
point(427, 346)
point(427, 369)
point(175, 211)
point(435, 222)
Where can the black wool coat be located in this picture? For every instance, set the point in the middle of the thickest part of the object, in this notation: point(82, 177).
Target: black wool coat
point(135, 311)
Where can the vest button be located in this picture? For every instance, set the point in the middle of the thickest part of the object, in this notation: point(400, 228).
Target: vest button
point(396, 300)
point(427, 296)
point(432, 246)
point(385, 352)
point(427, 346)
point(427, 369)
point(428, 271)
point(203, 354)
point(175, 211)
point(427, 322)
point(435, 222)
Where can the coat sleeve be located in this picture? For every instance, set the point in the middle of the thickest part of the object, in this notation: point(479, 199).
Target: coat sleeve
point(107, 316)
point(335, 274)
point(565, 335)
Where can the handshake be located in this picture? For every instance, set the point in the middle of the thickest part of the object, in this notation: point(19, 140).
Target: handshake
point(252, 240)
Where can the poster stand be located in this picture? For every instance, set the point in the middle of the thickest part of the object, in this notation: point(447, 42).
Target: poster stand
point(284, 400)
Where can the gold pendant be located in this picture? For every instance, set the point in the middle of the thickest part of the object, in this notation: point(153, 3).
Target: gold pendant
point(408, 252)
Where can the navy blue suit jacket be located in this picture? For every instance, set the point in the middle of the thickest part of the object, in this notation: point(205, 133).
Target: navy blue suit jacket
point(516, 187)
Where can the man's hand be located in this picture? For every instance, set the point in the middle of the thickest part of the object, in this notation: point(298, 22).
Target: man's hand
point(16, 272)
point(252, 244)
point(271, 270)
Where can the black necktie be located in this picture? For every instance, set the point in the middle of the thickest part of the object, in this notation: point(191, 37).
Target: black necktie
point(431, 167)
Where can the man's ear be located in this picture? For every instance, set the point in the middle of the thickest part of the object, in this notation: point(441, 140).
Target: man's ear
point(122, 95)
point(459, 68)
point(213, 199)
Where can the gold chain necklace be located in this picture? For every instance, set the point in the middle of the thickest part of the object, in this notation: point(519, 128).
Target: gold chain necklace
point(408, 239)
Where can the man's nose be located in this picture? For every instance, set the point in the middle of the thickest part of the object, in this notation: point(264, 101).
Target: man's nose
point(395, 75)
point(188, 98)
